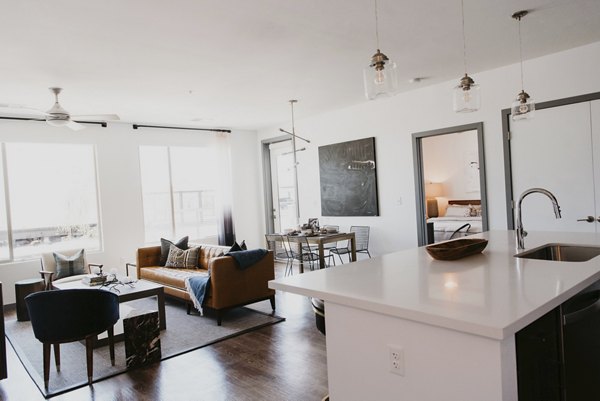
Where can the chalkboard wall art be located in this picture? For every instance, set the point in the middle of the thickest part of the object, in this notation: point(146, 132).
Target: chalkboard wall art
point(348, 178)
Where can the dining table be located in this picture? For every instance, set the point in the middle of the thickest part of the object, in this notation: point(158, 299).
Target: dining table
point(320, 240)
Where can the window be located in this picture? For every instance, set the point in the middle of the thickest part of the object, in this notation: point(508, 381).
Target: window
point(179, 189)
point(53, 199)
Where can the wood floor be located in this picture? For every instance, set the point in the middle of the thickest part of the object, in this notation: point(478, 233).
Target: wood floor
point(286, 361)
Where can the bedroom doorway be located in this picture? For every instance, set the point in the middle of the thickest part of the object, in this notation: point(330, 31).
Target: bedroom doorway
point(450, 186)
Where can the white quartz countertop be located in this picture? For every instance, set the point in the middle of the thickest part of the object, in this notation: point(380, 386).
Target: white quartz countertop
point(492, 294)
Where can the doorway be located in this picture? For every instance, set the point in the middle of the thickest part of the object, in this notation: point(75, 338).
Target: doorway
point(450, 185)
point(280, 194)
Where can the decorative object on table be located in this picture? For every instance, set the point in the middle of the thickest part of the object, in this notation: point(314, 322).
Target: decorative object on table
point(93, 279)
point(70, 315)
point(523, 107)
point(467, 97)
point(380, 76)
point(348, 178)
point(22, 289)
point(313, 224)
point(142, 338)
point(456, 249)
point(185, 334)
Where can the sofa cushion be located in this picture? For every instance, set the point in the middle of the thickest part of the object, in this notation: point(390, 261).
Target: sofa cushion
point(169, 276)
point(208, 252)
point(187, 259)
point(165, 245)
point(69, 265)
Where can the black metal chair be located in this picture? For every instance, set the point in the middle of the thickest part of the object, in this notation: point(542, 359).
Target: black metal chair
point(64, 316)
point(278, 244)
point(302, 252)
point(361, 236)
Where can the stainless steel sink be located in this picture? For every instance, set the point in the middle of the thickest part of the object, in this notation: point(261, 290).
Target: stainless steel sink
point(561, 253)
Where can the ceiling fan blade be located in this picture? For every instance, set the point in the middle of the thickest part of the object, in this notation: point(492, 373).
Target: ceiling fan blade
point(75, 126)
point(21, 107)
point(101, 117)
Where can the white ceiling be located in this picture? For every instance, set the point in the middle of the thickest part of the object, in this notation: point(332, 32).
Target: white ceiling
point(236, 63)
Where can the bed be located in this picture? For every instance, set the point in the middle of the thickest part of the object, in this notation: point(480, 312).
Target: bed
point(463, 217)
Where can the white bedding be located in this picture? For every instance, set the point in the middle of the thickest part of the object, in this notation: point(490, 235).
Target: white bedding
point(451, 224)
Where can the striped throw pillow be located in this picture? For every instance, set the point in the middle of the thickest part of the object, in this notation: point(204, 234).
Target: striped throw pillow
point(183, 259)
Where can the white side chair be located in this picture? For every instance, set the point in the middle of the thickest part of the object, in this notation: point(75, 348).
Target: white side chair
point(49, 267)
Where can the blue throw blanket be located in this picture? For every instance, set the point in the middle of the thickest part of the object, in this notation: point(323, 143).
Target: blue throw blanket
point(197, 286)
point(245, 259)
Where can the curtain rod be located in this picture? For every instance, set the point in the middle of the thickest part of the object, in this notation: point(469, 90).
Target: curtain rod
point(101, 123)
point(136, 126)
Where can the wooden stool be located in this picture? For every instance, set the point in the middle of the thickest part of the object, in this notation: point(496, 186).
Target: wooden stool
point(22, 289)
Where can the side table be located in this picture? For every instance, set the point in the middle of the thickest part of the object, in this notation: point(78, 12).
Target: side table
point(22, 289)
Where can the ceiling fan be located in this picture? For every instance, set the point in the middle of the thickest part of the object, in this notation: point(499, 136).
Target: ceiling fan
point(59, 117)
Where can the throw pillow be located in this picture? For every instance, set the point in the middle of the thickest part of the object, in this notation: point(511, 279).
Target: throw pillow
point(183, 259)
point(458, 211)
point(69, 265)
point(238, 247)
point(165, 246)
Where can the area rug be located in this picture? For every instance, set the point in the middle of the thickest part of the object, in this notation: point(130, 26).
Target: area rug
point(184, 333)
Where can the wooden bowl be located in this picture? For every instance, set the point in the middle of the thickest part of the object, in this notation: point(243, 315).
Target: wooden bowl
point(456, 249)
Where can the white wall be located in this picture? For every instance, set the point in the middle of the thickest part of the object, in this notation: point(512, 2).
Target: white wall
point(392, 121)
point(120, 186)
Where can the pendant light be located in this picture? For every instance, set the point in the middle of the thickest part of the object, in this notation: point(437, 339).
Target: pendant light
point(523, 107)
point(466, 95)
point(380, 76)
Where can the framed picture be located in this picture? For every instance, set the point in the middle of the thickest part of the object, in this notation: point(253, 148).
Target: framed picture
point(348, 178)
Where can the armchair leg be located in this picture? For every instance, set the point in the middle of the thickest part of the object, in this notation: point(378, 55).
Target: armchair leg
point(219, 317)
point(89, 352)
point(46, 347)
point(57, 356)
point(111, 344)
point(272, 300)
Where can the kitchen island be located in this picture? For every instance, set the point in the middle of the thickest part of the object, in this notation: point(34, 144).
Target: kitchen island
point(451, 324)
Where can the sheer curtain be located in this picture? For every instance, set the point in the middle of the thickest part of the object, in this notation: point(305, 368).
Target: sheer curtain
point(225, 195)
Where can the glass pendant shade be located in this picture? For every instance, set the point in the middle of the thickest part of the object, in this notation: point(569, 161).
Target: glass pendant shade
point(523, 107)
point(467, 96)
point(380, 77)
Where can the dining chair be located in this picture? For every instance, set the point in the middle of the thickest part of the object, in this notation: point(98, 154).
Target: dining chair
point(301, 252)
point(279, 245)
point(361, 237)
point(64, 316)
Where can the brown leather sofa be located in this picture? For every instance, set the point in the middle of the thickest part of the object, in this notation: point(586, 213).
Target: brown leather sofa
point(229, 285)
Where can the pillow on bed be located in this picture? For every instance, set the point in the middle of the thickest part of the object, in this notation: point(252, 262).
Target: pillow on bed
point(475, 210)
point(458, 211)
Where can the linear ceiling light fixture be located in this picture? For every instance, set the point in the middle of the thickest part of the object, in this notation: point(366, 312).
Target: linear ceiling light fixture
point(380, 76)
point(523, 107)
point(294, 152)
point(467, 97)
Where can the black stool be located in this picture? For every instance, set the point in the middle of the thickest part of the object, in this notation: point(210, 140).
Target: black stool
point(22, 289)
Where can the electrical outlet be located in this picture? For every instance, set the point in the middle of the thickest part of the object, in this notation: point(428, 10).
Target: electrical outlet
point(396, 355)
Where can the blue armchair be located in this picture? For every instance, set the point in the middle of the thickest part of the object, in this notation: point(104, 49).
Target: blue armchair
point(64, 316)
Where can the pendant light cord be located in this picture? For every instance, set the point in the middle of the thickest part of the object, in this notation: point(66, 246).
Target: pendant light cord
point(521, 53)
point(377, 25)
point(293, 127)
point(462, 8)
